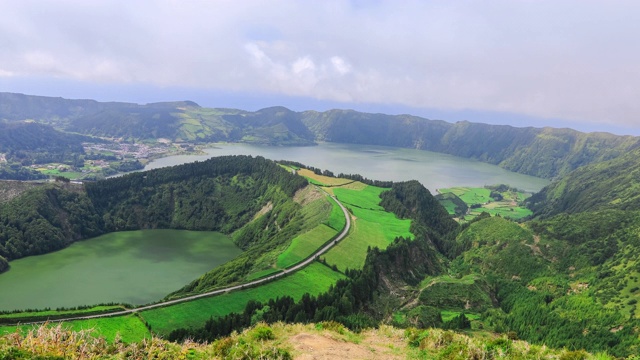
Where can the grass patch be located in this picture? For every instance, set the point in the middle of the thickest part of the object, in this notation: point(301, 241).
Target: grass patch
point(372, 227)
point(262, 273)
point(507, 207)
point(447, 315)
point(469, 195)
point(336, 219)
point(313, 279)
point(367, 198)
point(449, 206)
point(321, 179)
point(504, 209)
point(130, 328)
point(306, 244)
point(45, 313)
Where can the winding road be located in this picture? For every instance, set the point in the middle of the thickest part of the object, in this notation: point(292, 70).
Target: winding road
point(285, 272)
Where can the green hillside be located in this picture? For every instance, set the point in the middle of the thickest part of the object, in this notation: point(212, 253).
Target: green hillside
point(613, 184)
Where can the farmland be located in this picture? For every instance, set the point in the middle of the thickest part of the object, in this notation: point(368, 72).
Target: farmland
point(495, 200)
point(313, 279)
point(372, 226)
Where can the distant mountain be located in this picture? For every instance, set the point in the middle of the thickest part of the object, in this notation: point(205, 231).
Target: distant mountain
point(542, 152)
point(31, 136)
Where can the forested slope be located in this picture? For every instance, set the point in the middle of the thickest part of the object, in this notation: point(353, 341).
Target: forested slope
point(613, 184)
point(570, 276)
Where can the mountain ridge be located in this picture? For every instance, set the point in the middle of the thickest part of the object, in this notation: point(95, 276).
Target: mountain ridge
point(543, 152)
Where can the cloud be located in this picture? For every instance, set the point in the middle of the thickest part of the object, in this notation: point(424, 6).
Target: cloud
point(572, 59)
point(340, 65)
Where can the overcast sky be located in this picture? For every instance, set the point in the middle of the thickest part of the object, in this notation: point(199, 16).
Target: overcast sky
point(526, 63)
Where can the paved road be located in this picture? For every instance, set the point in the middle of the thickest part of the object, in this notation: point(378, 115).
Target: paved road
point(227, 289)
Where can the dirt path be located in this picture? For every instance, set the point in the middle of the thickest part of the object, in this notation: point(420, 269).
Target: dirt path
point(325, 347)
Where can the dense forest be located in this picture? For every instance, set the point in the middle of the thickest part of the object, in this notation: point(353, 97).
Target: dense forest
point(542, 152)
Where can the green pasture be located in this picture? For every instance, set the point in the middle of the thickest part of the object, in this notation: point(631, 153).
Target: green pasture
point(313, 279)
point(470, 195)
point(336, 218)
point(129, 328)
point(504, 209)
point(449, 206)
point(371, 227)
point(305, 245)
point(66, 174)
point(507, 207)
point(45, 313)
point(367, 198)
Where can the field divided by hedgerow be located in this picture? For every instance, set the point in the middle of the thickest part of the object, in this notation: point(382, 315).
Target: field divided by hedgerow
point(314, 279)
point(371, 227)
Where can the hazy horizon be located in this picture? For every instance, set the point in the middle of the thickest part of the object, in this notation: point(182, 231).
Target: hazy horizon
point(570, 63)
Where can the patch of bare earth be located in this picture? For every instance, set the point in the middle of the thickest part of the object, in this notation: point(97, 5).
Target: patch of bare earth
point(10, 189)
point(265, 209)
point(325, 346)
point(307, 195)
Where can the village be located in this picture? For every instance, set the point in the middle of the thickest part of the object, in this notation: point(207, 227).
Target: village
point(106, 159)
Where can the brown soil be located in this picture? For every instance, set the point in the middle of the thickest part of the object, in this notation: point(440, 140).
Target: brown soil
point(324, 346)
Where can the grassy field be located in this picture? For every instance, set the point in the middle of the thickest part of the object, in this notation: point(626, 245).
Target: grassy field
point(45, 313)
point(129, 328)
point(313, 279)
point(449, 206)
point(470, 195)
point(504, 209)
point(66, 174)
point(306, 244)
point(336, 218)
point(366, 198)
point(321, 179)
point(371, 227)
point(323, 220)
point(507, 207)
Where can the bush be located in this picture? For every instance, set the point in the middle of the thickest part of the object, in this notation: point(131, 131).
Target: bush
point(262, 332)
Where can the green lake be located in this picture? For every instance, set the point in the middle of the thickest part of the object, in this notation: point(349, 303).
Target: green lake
point(135, 267)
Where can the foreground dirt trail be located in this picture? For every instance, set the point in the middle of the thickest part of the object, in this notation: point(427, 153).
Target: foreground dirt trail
point(326, 346)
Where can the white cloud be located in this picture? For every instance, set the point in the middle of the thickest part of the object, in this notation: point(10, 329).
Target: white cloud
point(340, 65)
point(303, 65)
point(573, 59)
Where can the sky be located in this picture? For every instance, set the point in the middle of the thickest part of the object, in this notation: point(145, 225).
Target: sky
point(560, 63)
